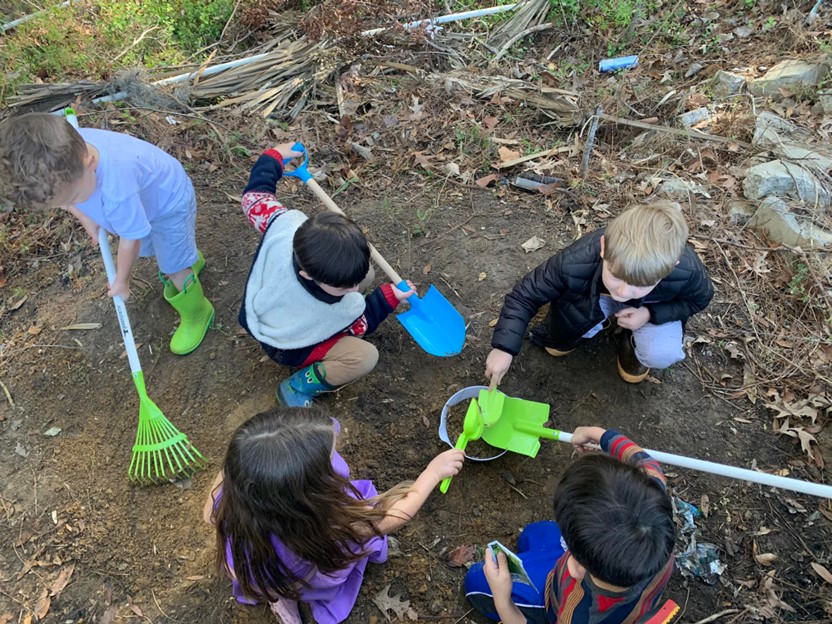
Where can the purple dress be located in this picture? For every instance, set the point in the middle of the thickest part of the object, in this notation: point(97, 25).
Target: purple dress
point(330, 596)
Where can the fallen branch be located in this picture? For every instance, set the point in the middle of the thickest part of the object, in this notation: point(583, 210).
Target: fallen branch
point(691, 134)
point(549, 152)
point(716, 616)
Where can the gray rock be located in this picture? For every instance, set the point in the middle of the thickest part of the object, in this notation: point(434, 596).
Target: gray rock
point(743, 32)
point(677, 188)
point(771, 129)
point(774, 217)
point(825, 99)
point(727, 83)
point(784, 179)
point(694, 69)
point(790, 142)
point(791, 73)
point(740, 210)
point(695, 116)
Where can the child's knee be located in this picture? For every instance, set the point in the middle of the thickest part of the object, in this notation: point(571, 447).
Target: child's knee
point(658, 355)
point(350, 359)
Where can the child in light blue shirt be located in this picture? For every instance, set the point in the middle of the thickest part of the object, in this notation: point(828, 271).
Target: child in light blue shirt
point(127, 186)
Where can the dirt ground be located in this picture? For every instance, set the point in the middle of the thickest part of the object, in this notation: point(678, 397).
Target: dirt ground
point(144, 554)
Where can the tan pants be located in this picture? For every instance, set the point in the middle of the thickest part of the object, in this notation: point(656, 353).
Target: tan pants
point(351, 358)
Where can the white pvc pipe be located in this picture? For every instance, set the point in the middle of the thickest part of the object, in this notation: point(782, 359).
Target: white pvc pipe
point(22, 20)
point(215, 69)
point(444, 19)
point(763, 478)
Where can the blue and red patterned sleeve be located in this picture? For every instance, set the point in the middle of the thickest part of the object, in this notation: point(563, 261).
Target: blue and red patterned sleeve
point(627, 451)
point(259, 202)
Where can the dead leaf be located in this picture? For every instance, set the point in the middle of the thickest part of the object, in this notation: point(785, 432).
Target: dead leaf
point(490, 122)
point(136, 609)
point(384, 601)
point(507, 154)
point(461, 555)
point(34, 330)
point(81, 327)
point(452, 169)
point(27, 619)
point(766, 559)
point(6, 618)
point(19, 303)
point(493, 322)
point(822, 572)
point(198, 577)
point(63, 580)
point(42, 605)
point(487, 179)
point(533, 244)
point(109, 616)
point(426, 269)
point(705, 505)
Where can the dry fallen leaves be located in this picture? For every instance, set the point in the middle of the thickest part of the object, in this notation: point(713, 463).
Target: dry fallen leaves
point(385, 602)
point(42, 605)
point(63, 580)
point(533, 244)
point(459, 556)
point(822, 572)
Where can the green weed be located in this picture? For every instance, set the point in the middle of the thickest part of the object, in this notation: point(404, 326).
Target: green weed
point(79, 41)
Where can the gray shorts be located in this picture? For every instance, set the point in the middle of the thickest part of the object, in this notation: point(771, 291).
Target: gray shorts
point(172, 238)
point(657, 346)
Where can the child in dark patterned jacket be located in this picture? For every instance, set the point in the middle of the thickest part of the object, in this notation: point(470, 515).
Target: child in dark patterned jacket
point(607, 557)
point(303, 300)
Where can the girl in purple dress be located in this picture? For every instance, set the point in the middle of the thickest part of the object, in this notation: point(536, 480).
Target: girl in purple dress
point(291, 525)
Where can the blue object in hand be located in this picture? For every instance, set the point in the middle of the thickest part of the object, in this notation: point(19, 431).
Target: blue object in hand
point(620, 62)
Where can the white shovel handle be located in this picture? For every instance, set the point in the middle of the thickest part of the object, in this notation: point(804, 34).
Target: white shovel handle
point(763, 478)
point(121, 309)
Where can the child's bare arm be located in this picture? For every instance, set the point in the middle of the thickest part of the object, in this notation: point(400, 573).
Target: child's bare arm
point(89, 225)
point(208, 508)
point(447, 464)
point(128, 252)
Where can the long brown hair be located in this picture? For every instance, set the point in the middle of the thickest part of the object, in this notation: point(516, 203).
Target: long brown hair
point(278, 481)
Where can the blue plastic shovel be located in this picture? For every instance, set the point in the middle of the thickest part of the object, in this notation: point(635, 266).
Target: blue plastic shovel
point(434, 323)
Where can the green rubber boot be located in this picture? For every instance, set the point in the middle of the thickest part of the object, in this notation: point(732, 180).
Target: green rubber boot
point(199, 265)
point(196, 313)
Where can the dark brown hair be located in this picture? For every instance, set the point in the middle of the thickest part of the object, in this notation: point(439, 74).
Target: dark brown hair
point(332, 250)
point(278, 481)
point(39, 155)
point(616, 520)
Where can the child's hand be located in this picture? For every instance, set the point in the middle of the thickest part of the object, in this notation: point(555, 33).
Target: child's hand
point(401, 295)
point(286, 152)
point(497, 575)
point(632, 318)
point(496, 365)
point(447, 464)
point(582, 437)
point(119, 288)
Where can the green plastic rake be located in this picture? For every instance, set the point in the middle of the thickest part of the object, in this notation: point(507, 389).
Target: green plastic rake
point(161, 452)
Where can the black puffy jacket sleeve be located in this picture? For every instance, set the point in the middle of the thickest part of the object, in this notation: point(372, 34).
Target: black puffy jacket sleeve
point(693, 297)
point(540, 286)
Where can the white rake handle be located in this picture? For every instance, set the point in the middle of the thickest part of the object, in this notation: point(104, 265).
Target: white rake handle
point(763, 478)
point(121, 309)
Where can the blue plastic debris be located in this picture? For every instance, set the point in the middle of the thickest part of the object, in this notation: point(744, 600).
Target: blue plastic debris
point(620, 62)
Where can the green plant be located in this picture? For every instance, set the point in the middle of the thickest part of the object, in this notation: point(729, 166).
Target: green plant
point(770, 23)
point(748, 4)
point(797, 285)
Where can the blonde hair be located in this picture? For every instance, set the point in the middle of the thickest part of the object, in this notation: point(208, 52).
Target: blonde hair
point(644, 243)
point(39, 155)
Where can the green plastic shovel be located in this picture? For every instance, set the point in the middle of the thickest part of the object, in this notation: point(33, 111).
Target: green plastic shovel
point(472, 428)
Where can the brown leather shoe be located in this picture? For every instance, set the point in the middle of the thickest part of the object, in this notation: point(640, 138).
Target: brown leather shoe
point(631, 370)
point(555, 353)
